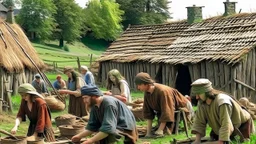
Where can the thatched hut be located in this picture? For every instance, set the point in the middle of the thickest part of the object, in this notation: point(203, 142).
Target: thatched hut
point(15, 66)
point(221, 49)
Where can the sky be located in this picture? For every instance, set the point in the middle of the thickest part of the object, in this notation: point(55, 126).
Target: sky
point(211, 7)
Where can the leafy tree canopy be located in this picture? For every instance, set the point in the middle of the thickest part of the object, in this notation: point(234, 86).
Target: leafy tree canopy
point(36, 16)
point(144, 11)
point(69, 19)
point(104, 18)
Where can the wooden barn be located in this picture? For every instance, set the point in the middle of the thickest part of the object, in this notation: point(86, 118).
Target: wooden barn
point(221, 49)
point(15, 66)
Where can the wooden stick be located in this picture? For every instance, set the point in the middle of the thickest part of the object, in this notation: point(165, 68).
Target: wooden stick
point(244, 84)
point(7, 133)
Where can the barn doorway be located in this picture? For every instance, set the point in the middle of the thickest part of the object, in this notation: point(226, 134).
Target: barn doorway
point(183, 80)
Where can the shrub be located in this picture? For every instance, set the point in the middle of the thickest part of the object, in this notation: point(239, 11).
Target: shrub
point(65, 48)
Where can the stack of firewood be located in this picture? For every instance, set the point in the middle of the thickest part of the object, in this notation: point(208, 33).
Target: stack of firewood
point(251, 107)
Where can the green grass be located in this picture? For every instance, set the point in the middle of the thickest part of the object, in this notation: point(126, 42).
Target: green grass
point(50, 52)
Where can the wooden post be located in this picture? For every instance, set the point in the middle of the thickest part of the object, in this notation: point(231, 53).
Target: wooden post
point(56, 65)
point(1, 89)
point(15, 83)
point(53, 64)
point(78, 63)
point(91, 60)
point(8, 93)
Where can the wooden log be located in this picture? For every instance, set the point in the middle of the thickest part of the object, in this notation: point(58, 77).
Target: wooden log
point(173, 77)
point(15, 83)
point(233, 84)
point(248, 73)
point(243, 77)
point(252, 93)
point(1, 89)
point(227, 78)
point(222, 76)
point(190, 69)
point(244, 84)
point(210, 72)
point(197, 71)
point(238, 76)
point(203, 69)
point(6, 89)
point(216, 75)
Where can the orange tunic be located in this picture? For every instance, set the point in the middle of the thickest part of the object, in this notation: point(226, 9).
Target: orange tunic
point(40, 118)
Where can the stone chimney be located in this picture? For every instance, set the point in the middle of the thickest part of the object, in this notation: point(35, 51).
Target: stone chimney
point(194, 14)
point(230, 8)
point(10, 15)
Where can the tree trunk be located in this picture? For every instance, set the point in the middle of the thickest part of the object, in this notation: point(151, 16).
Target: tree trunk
point(61, 44)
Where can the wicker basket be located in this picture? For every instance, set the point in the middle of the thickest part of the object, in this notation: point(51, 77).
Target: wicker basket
point(69, 130)
point(54, 103)
point(66, 119)
point(10, 140)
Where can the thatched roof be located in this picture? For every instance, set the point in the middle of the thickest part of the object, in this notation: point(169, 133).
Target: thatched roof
point(12, 57)
point(217, 38)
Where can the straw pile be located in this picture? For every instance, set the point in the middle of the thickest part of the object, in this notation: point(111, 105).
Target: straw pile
point(251, 107)
point(66, 119)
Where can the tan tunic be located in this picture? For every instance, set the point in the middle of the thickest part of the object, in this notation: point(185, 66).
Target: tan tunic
point(163, 101)
point(222, 114)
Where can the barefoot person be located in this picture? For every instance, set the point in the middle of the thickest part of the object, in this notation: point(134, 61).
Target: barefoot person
point(36, 110)
point(110, 119)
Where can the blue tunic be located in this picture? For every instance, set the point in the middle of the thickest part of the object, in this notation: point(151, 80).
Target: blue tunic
point(112, 115)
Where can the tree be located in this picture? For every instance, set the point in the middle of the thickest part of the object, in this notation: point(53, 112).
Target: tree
point(8, 3)
point(36, 17)
point(144, 11)
point(70, 19)
point(104, 19)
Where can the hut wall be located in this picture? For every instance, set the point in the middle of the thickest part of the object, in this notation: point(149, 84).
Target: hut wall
point(244, 77)
point(128, 70)
point(169, 74)
point(9, 83)
point(219, 73)
point(1, 89)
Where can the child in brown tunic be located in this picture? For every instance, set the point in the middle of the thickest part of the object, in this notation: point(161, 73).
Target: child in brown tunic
point(35, 108)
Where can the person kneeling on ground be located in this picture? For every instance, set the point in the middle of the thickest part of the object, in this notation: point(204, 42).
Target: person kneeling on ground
point(221, 112)
point(161, 101)
point(109, 117)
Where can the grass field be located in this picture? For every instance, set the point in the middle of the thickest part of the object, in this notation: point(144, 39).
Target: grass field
point(50, 52)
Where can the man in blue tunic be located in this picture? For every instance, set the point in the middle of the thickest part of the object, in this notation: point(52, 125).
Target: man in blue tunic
point(109, 117)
